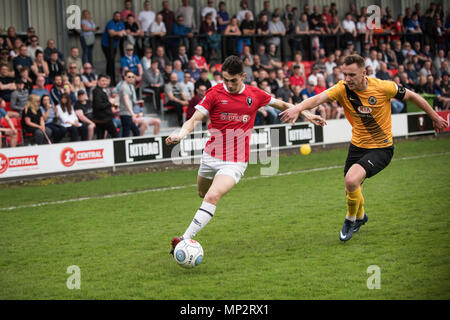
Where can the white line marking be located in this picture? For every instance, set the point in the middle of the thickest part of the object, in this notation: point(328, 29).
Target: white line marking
point(122, 194)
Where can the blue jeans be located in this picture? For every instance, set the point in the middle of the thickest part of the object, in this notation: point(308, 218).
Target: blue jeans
point(396, 106)
point(128, 125)
point(88, 52)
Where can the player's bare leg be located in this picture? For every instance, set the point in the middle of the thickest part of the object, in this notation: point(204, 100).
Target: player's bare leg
point(203, 185)
point(353, 180)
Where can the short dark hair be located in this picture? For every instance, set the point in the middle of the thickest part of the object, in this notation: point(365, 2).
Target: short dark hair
point(355, 58)
point(233, 65)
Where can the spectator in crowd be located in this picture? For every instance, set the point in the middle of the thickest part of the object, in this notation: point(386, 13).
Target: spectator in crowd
point(72, 72)
point(188, 86)
point(102, 107)
point(203, 79)
point(383, 73)
point(134, 33)
point(199, 58)
point(247, 28)
point(24, 75)
point(16, 48)
point(177, 69)
point(89, 78)
point(315, 75)
point(147, 58)
point(4, 60)
point(157, 30)
point(77, 86)
point(33, 122)
point(426, 70)
point(334, 77)
point(200, 93)
point(168, 16)
point(187, 12)
point(70, 120)
point(146, 17)
point(22, 60)
point(51, 47)
point(33, 47)
point(57, 90)
point(7, 132)
point(85, 113)
point(211, 40)
point(182, 57)
point(127, 94)
point(127, 10)
point(350, 32)
point(232, 31)
point(130, 61)
point(277, 30)
point(87, 37)
point(413, 29)
point(7, 85)
point(210, 9)
point(284, 93)
point(74, 58)
point(223, 18)
point(373, 62)
point(39, 89)
point(167, 72)
point(240, 16)
point(40, 66)
point(161, 57)
point(153, 83)
point(54, 66)
point(175, 97)
point(19, 97)
point(52, 119)
point(297, 79)
point(11, 37)
point(115, 29)
point(179, 29)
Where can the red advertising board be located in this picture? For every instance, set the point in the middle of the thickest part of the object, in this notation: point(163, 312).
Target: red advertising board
point(446, 116)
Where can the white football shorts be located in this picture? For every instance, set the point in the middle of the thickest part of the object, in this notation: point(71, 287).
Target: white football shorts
point(210, 167)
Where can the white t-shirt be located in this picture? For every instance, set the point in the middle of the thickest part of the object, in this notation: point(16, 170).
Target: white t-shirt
point(348, 26)
point(155, 27)
point(146, 18)
point(66, 117)
point(207, 10)
point(240, 16)
point(374, 64)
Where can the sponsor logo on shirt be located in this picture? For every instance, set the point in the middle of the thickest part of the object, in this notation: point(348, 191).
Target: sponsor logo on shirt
point(234, 117)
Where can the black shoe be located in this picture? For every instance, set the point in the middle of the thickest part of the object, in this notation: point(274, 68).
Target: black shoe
point(360, 222)
point(347, 230)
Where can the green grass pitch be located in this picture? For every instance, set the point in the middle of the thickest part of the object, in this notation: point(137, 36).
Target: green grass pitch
point(271, 238)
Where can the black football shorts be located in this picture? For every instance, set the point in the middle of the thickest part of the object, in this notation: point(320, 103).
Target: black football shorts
point(372, 160)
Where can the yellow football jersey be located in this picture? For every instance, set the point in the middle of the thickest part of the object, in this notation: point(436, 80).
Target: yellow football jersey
point(368, 111)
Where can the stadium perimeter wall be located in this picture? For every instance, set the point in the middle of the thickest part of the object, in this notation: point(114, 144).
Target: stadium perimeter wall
point(46, 160)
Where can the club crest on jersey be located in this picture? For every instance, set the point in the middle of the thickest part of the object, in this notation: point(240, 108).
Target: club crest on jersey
point(249, 101)
point(372, 100)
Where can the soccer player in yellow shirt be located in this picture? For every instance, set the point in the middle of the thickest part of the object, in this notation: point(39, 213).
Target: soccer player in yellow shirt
point(367, 106)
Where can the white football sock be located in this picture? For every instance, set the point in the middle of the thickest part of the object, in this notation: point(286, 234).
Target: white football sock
point(201, 219)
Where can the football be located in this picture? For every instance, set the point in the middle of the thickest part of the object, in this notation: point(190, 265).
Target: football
point(188, 253)
point(305, 149)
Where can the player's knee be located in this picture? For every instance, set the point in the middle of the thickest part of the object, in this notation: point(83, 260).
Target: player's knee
point(212, 197)
point(351, 182)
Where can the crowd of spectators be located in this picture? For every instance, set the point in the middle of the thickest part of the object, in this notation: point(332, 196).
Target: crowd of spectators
point(56, 97)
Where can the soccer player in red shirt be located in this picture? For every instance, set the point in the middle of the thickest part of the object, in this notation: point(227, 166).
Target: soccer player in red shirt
point(232, 108)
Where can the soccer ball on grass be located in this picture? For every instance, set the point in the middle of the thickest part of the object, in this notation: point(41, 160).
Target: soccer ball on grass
point(188, 253)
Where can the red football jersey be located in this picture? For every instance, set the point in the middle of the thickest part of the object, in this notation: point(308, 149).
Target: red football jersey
point(232, 119)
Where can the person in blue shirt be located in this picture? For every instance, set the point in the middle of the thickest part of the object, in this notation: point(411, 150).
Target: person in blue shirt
point(114, 32)
point(130, 61)
point(183, 33)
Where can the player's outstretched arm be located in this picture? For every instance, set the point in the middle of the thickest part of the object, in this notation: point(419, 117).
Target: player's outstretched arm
point(291, 115)
point(186, 129)
point(284, 106)
point(439, 123)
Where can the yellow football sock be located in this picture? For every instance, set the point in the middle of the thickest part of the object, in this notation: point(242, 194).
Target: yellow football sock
point(361, 211)
point(353, 203)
